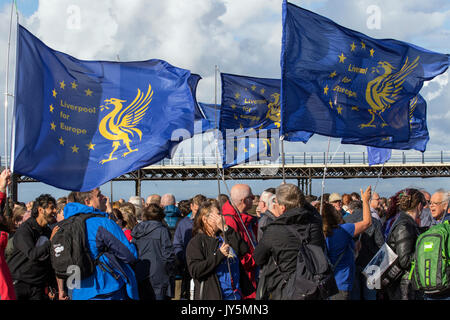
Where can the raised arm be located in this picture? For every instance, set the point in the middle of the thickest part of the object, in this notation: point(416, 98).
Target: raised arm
point(366, 222)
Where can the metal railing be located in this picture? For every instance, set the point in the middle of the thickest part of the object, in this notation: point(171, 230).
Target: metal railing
point(312, 158)
point(308, 158)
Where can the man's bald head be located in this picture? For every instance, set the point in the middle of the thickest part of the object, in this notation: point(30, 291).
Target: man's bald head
point(242, 197)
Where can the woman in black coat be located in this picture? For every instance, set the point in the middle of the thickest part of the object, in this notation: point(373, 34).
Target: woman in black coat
point(213, 263)
point(402, 240)
point(155, 269)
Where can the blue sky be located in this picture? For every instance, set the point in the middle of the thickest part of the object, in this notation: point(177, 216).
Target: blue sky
point(241, 37)
point(26, 7)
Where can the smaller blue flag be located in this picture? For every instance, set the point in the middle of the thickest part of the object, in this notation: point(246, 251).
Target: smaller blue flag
point(378, 155)
point(251, 106)
point(207, 117)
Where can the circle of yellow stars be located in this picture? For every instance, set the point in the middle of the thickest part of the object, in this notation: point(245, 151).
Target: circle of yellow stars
point(62, 86)
point(333, 74)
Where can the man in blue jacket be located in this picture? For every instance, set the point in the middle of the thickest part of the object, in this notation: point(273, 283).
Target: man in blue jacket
point(113, 277)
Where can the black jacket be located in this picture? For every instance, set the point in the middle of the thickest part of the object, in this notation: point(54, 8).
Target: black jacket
point(281, 246)
point(28, 262)
point(402, 239)
point(203, 256)
point(264, 220)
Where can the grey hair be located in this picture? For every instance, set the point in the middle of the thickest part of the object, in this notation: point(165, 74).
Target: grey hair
point(290, 196)
point(444, 194)
point(270, 201)
point(266, 197)
point(354, 204)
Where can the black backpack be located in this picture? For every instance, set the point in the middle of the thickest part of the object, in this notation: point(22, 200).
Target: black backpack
point(313, 278)
point(69, 247)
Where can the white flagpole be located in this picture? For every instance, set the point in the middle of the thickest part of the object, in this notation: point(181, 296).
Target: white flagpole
point(7, 94)
point(217, 128)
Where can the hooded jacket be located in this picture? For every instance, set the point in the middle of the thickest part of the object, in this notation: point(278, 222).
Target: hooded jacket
point(156, 256)
point(280, 246)
point(104, 235)
point(251, 224)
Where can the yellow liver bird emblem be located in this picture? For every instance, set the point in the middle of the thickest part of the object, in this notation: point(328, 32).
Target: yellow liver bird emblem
point(383, 91)
point(120, 123)
point(273, 112)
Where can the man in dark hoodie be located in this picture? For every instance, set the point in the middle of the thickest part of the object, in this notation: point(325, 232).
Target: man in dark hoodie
point(280, 246)
point(29, 262)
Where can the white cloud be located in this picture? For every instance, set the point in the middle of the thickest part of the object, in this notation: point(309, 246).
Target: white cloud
point(242, 37)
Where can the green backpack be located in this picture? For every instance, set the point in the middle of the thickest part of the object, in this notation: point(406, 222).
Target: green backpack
point(431, 265)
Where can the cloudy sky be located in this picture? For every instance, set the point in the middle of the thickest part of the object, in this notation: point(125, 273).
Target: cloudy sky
point(240, 37)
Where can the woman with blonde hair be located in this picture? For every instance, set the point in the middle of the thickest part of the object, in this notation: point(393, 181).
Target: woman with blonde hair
point(129, 221)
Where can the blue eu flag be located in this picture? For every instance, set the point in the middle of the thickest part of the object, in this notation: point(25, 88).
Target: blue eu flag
point(378, 155)
point(79, 124)
point(250, 111)
point(206, 117)
point(341, 83)
point(419, 132)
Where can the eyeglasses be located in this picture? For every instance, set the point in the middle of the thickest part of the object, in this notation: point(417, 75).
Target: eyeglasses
point(435, 203)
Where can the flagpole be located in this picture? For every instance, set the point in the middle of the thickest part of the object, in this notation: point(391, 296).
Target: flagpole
point(217, 132)
point(222, 219)
point(324, 173)
point(7, 94)
point(378, 178)
point(283, 159)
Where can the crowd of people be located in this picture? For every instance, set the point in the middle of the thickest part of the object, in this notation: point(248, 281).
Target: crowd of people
point(226, 248)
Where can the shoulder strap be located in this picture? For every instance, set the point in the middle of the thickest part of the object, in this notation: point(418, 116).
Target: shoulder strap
point(333, 267)
point(298, 235)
